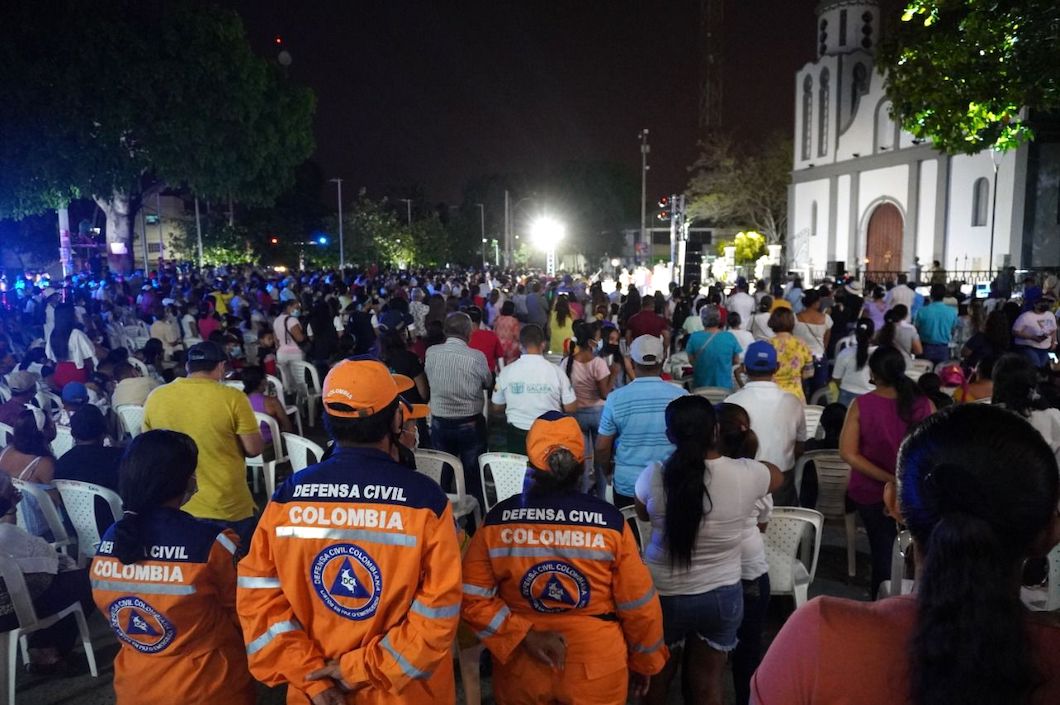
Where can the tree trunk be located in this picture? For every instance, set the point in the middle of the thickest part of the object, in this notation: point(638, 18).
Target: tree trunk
point(118, 211)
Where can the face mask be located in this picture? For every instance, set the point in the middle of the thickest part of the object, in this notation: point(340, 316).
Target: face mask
point(236, 351)
point(600, 345)
point(296, 313)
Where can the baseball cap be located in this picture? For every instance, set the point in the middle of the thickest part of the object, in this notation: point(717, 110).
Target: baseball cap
point(356, 389)
point(75, 393)
point(207, 352)
point(21, 381)
point(395, 320)
point(415, 411)
point(760, 357)
point(88, 423)
point(554, 430)
point(647, 350)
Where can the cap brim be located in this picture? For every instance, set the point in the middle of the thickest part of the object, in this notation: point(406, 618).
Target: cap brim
point(417, 411)
point(403, 383)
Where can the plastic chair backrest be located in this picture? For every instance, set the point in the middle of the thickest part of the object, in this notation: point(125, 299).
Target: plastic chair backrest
point(298, 450)
point(277, 437)
point(140, 365)
point(79, 498)
point(833, 475)
point(49, 402)
point(306, 377)
point(281, 393)
point(6, 431)
point(644, 528)
point(813, 419)
point(715, 395)
point(5, 393)
point(921, 365)
point(508, 471)
point(15, 584)
point(64, 441)
point(48, 510)
point(432, 464)
point(140, 342)
point(1052, 602)
point(132, 418)
point(233, 383)
point(785, 531)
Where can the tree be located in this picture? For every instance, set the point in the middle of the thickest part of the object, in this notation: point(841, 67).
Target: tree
point(959, 72)
point(106, 98)
point(749, 247)
point(740, 187)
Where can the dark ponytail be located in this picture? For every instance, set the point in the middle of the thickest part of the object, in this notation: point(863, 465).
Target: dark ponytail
point(888, 368)
point(977, 487)
point(891, 319)
point(863, 331)
point(691, 426)
point(155, 469)
point(563, 474)
point(583, 334)
point(736, 439)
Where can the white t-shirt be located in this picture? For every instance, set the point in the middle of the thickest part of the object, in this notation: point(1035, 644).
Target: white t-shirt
point(80, 349)
point(777, 418)
point(186, 323)
point(284, 340)
point(753, 563)
point(529, 387)
point(851, 379)
point(1047, 421)
point(813, 335)
point(759, 327)
point(743, 304)
point(1031, 323)
point(744, 338)
point(734, 485)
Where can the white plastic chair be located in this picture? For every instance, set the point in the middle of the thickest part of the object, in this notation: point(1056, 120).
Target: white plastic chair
point(268, 467)
point(715, 395)
point(644, 529)
point(904, 585)
point(820, 397)
point(812, 412)
point(307, 387)
point(188, 342)
point(49, 402)
point(79, 498)
point(281, 394)
point(6, 432)
point(833, 476)
point(60, 538)
point(5, 393)
point(432, 464)
point(299, 449)
point(507, 470)
point(923, 366)
point(788, 575)
point(233, 383)
point(1049, 601)
point(132, 418)
point(554, 358)
point(64, 441)
point(140, 365)
point(29, 621)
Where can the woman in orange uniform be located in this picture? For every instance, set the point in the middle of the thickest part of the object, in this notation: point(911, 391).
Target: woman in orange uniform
point(166, 582)
point(555, 588)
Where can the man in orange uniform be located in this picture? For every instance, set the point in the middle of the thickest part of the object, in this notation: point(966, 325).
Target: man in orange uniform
point(351, 590)
point(556, 589)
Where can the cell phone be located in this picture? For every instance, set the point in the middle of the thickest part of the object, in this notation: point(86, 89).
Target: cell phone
point(1052, 358)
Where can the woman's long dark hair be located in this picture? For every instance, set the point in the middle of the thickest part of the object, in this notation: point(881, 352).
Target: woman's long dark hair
point(583, 335)
point(863, 331)
point(1016, 384)
point(252, 377)
point(736, 439)
point(65, 323)
point(27, 438)
point(562, 309)
point(998, 332)
point(691, 426)
point(978, 486)
point(888, 368)
point(156, 468)
point(891, 319)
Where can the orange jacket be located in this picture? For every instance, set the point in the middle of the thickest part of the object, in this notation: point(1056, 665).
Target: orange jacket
point(566, 563)
point(174, 614)
point(355, 559)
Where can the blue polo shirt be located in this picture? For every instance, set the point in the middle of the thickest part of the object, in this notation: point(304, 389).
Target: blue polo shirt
point(935, 323)
point(636, 414)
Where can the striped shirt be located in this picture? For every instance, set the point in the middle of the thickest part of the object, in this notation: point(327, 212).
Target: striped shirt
point(636, 414)
point(457, 375)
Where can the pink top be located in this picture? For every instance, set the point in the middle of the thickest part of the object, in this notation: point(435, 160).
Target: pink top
point(257, 403)
point(583, 377)
point(881, 432)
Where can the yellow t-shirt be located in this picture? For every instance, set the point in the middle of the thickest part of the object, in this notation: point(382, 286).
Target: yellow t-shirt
point(213, 415)
point(221, 302)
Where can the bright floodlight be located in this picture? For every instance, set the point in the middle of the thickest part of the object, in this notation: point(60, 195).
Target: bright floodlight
point(546, 233)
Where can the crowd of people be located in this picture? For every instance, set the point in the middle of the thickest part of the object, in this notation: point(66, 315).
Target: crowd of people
point(685, 407)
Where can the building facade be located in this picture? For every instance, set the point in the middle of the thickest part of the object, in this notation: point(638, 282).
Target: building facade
point(866, 196)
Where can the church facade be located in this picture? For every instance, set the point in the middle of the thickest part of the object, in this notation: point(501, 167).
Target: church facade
point(866, 196)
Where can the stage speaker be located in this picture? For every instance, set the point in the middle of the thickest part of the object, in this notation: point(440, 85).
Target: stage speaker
point(776, 274)
point(836, 269)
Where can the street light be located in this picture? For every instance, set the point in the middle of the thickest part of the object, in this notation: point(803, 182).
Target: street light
point(482, 229)
point(408, 205)
point(546, 233)
point(342, 249)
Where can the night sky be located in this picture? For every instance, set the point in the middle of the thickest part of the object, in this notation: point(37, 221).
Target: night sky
point(433, 94)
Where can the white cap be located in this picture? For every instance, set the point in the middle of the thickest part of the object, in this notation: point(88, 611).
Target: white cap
point(647, 350)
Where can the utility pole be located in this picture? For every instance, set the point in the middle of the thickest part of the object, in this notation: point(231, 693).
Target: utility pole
point(482, 228)
point(342, 245)
point(507, 230)
point(161, 235)
point(408, 204)
point(198, 230)
point(645, 148)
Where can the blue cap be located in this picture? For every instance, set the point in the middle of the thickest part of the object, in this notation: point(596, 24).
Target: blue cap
point(75, 393)
point(760, 357)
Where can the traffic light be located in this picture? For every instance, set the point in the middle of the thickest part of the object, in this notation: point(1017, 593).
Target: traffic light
point(278, 40)
point(274, 240)
point(664, 209)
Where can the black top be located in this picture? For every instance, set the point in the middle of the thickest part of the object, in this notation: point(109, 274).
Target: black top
point(96, 464)
point(405, 362)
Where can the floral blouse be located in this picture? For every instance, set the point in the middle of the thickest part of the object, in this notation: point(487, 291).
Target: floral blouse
point(792, 357)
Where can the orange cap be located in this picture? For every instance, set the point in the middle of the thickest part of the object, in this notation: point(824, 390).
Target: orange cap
point(550, 431)
point(366, 387)
point(416, 411)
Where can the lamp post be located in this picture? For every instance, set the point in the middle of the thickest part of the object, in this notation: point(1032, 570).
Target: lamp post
point(342, 248)
point(408, 205)
point(546, 233)
point(995, 159)
point(645, 148)
point(482, 230)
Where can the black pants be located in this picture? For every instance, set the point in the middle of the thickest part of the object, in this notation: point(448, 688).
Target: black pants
point(622, 500)
point(67, 587)
point(882, 531)
point(748, 652)
point(466, 439)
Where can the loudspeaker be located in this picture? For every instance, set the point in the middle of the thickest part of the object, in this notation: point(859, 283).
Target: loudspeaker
point(776, 274)
point(693, 266)
point(837, 269)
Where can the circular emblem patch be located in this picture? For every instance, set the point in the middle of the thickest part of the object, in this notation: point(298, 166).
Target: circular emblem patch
point(553, 586)
point(347, 580)
point(140, 625)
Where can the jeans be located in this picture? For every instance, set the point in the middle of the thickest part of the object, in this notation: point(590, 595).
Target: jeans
point(589, 422)
point(882, 531)
point(466, 439)
point(713, 616)
point(936, 353)
point(748, 652)
point(1039, 358)
point(244, 529)
point(847, 398)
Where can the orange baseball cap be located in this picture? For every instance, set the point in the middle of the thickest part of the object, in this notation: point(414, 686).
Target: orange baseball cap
point(355, 389)
point(415, 411)
point(550, 431)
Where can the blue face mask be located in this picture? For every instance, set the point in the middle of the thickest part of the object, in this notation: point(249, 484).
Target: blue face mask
point(236, 351)
point(296, 313)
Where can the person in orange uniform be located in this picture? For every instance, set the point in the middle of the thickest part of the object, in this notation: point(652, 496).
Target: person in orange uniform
point(166, 582)
point(555, 587)
point(351, 589)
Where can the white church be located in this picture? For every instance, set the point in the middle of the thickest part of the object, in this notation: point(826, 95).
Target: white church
point(866, 196)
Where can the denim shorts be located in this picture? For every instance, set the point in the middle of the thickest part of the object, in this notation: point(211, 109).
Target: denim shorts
point(713, 616)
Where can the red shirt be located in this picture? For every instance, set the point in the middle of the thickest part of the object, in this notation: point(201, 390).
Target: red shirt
point(646, 323)
point(490, 345)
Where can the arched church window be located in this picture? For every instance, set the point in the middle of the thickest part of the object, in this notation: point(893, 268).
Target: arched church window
point(884, 127)
point(980, 202)
point(807, 116)
point(813, 219)
point(859, 84)
point(822, 115)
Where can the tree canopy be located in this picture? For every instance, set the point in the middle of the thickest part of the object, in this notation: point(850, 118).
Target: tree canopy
point(961, 71)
